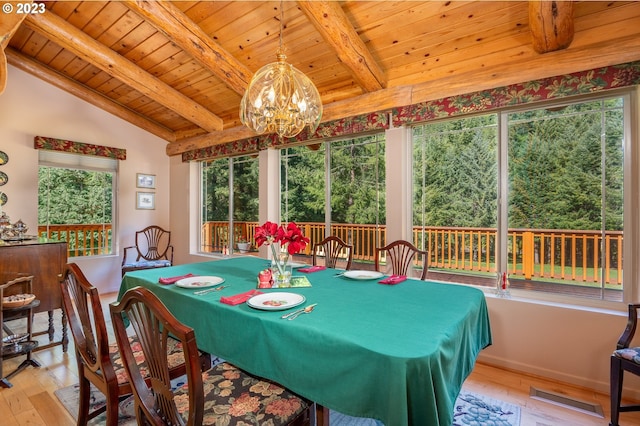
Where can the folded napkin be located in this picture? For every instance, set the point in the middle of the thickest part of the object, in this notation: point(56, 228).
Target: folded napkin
point(310, 269)
point(393, 279)
point(173, 280)
point(240, 298)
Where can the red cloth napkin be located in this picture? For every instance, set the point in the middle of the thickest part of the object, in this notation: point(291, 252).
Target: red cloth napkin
point(310, 269)
point(240, 298)
point(173, 280)
point(393, 279)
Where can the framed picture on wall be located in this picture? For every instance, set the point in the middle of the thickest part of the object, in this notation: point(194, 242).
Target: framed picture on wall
point(145, 181)
point(146, 200)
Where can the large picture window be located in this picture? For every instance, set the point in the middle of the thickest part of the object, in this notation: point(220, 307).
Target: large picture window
point(560, 171)
point(76, 201)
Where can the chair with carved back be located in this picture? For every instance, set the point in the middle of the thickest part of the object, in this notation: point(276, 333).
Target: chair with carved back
point(222, 395)
point(624, 358)
point(99, 362)
point(152, 249)
point(401, 255)
point(334, 250)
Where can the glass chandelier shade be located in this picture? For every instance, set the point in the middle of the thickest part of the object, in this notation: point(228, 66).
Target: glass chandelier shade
point(281, 99)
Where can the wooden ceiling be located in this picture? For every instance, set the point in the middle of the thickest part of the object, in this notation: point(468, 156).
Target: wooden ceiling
point(179, 69)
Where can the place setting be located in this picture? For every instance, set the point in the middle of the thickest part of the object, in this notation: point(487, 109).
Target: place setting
point(362, 275)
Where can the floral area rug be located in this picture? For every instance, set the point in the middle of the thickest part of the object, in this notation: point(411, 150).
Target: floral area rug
point(470, 409)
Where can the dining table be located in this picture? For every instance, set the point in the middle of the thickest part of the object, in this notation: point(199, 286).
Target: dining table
point(395, 353)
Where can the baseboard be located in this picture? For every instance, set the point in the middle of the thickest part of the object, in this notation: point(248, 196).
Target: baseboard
point(556, 376)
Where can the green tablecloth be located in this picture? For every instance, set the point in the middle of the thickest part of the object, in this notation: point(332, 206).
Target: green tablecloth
point(396, 353)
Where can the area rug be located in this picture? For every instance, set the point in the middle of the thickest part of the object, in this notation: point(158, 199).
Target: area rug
point(470, 409)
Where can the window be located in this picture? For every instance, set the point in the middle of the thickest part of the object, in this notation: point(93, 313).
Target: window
point(76, 201)
point(349, 176)
point(455, 176)
point(565, 216)
point(560, 170)
point(227, 221)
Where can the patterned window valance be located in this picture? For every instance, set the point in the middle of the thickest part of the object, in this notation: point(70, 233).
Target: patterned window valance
point(596, 80)
point(52, 144)
point(331, 129)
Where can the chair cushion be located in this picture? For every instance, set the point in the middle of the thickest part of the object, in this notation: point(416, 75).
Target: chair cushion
point(241, 399)
point(174, 351)
point(147, 264)
point(630, 354)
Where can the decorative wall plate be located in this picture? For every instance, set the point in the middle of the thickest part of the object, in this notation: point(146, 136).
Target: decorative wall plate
point(3, 178)
point(4, 158)
point(3, 198)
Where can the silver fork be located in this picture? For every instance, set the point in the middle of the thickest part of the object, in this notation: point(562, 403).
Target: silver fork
point(209, 290)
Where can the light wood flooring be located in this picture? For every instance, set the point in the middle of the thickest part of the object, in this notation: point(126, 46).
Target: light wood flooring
point(31, 400)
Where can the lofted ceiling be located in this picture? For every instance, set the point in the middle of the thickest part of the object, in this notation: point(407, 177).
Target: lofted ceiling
point(179, 69)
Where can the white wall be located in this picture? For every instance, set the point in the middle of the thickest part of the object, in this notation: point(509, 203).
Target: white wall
point(30, 107)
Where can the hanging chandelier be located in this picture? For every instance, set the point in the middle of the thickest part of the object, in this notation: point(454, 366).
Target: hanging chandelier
point(280, 99)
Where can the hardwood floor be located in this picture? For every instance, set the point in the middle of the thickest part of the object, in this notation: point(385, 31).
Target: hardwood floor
point(31, 400)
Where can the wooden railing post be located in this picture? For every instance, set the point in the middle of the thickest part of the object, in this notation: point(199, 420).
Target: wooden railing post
point(528, 254)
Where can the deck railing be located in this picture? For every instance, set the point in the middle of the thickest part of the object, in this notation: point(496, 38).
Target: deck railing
point(555, 255)
point(82, 240)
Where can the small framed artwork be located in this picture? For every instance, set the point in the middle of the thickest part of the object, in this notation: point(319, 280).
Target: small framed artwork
point(146, 200)
point(145, 181)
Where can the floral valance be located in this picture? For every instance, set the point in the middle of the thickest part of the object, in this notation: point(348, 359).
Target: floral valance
point(605, 78)
point(52, 144)
point(331, 129)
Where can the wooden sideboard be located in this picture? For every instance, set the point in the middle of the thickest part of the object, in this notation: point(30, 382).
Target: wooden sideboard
point(46, 261)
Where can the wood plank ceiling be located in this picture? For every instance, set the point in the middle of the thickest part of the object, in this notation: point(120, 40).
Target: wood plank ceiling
point(179, 69)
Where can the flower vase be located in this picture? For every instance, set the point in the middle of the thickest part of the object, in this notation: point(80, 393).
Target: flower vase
point(280, 268)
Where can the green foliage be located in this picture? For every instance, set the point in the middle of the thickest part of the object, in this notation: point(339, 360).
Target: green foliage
point(357, 182)
point(455, 173)
point(555, 169)
point(72, 196)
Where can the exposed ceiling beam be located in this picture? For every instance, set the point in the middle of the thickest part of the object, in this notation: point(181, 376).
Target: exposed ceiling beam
point(627, 50)
point(69, 37)
point(54, 78)
point(551, 25)
point(186, 34)
point(9, 24)
point(330, 20)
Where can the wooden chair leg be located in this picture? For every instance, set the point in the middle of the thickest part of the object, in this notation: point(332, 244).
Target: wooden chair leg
point(84, 394)
point(322, 415)
point(616, 389)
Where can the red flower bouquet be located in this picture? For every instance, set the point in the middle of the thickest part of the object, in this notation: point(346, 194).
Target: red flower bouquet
point(289, 237)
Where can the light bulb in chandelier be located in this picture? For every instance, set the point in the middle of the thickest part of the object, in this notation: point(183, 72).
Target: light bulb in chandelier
point(281, 99)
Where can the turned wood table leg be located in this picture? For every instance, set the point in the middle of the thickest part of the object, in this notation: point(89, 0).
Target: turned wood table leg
point(65, 337)
point(51, 328)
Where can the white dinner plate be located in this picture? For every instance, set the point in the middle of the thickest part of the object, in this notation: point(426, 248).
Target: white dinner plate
point(276, 301)
point(363, 275)
point(199, 282)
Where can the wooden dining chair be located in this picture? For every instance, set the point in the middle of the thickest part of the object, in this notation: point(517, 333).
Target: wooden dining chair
point(224, 394)
point(99, 363)
point(401, 255)
point(152, 249)
point(624, 358)
point(334, 249)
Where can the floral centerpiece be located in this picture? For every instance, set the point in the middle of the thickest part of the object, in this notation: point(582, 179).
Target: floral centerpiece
point(291, 242)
